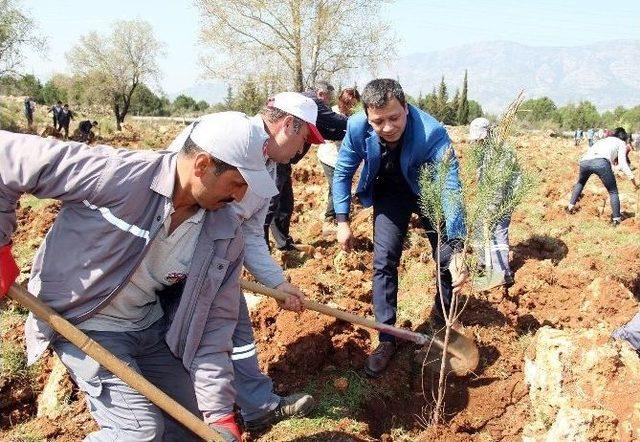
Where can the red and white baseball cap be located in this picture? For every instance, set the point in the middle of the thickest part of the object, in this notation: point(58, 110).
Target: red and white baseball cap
point(302, 107)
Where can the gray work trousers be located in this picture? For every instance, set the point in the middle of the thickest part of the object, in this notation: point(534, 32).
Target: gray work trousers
point(254, 389)
point(630, 332)
point(499, 248)
point(122, 413)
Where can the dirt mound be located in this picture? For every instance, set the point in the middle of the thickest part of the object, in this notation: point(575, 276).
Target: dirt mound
point(291, 345)
point(136, 136)
point(127, 137)
point(35, 222)
point(17, 403)
point(51, 131)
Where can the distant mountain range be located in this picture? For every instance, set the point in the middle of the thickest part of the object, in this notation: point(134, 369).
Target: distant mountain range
point(607, 73)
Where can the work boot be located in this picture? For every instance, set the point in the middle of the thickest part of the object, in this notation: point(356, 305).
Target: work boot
point(378, 360)
point(294, 405)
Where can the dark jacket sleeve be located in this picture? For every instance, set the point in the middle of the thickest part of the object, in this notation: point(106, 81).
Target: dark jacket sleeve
point(332, 125)
point(300, 155)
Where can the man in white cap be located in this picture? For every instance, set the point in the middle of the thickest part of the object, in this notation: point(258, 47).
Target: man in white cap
point(277, 134)
point(479, 129)
point(497, 272)
point(134, 225)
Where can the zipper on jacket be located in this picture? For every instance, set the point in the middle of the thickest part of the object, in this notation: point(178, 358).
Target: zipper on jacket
point(119, 287)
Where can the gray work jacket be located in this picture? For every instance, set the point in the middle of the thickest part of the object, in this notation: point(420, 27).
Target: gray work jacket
point(114, 203)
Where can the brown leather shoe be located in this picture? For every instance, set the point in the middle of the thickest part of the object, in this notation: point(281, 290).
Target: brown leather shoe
point(378, 360)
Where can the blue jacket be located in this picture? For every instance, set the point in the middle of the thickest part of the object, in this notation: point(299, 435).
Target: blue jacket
point(425, 141)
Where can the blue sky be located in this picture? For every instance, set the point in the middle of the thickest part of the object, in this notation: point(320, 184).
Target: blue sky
point(421, 26)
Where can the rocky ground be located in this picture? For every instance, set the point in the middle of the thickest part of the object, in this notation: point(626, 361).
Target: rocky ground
point(548, 370)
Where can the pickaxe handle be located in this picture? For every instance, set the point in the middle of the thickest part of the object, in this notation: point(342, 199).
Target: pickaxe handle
point(105, 358)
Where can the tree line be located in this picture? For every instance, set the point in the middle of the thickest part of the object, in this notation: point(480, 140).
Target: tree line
point(76, 92)
point(457, 111)
point(544, 113)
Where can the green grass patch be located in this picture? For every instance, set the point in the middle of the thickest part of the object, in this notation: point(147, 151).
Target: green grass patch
point(334, 404)
point(13, 362)
point(332, 409)
point(12, 315)
point(24, 433)
point(35, 203)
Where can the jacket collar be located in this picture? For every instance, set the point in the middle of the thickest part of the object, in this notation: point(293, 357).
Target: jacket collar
point(165, 175)
point(221, 224)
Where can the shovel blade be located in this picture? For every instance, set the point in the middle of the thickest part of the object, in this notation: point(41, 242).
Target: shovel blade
point(462, 356)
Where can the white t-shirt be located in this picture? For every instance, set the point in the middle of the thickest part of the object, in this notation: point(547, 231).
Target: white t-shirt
point(167, 261)
point(328, 151)
point(610, 148)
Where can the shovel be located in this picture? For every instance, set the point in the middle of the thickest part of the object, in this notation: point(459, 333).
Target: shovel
point(112, 363)
point(462, 353)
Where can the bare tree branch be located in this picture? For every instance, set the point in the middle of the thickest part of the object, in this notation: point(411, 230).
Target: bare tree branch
point(17, 31)
point(303, 39)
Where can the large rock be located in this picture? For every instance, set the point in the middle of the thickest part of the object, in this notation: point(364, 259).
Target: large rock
point(56, 393)
point(582, 386)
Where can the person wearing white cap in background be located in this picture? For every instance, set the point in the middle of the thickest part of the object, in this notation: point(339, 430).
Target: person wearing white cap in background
point(498, 271)
point(479, 129)
point(278, 219)
point(134, 226)
point(276, 134)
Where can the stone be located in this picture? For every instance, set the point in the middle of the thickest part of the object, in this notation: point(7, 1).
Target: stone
point(56, 393)
point(583, 385)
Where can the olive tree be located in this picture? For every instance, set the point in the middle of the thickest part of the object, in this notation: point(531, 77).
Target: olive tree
point(17, 31)
point(118, 62)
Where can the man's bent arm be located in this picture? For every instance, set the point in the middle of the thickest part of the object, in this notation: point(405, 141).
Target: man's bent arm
point(346, 166)
point(257, 258)
point(45, 168)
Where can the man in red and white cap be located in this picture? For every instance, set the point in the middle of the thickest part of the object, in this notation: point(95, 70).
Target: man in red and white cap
point(278, 217)
point(276, 135)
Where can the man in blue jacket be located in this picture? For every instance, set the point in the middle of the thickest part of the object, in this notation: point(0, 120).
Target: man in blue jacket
point(394, 140)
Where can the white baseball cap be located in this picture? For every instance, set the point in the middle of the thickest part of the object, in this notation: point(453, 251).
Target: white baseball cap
point(227, 136)
point(479, 129)
point(299, 106)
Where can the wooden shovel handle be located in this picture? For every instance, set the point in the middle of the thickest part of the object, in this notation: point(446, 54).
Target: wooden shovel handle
point(460, 347)
point(409, 335)
point(105, 358)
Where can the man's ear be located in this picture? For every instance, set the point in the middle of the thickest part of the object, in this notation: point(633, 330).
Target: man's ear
point(287, 123)
point(201, 162)
point(406, 109)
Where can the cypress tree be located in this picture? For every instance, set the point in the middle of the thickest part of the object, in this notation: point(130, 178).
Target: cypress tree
point(441, 101)
point(462, 114)
point(454, 106)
